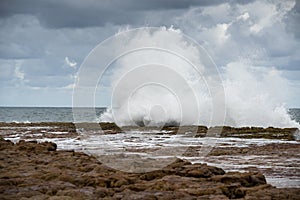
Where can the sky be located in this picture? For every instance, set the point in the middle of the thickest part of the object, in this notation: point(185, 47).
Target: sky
point(43, 43)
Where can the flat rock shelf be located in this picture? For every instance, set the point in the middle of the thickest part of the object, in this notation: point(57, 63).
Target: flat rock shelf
point(46, 161)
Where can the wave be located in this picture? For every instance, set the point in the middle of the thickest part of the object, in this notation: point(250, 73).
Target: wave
point(254, 95)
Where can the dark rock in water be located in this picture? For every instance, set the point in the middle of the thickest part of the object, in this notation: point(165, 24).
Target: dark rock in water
point(31, 170)
point(242, 132)
point(70, 130)
point(259, 132)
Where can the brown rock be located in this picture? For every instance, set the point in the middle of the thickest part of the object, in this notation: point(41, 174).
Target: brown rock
point(37, 171)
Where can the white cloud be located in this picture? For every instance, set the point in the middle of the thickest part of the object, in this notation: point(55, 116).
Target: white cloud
point(243, 17)
point(18, 73)
point(70, 63)
point(254, 34)
point(228, 31)
point(265, 14)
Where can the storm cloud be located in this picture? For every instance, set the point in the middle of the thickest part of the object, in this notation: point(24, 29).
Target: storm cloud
point(40, 41)
point(70, 13)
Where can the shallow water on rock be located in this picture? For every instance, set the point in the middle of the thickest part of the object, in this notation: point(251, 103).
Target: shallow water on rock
point(278, 160)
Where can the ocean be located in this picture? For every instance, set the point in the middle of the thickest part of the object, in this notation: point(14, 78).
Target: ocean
point(43, 114)
point(295, 114)
point(64, 114)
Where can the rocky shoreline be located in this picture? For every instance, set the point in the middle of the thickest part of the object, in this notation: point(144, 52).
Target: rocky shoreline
point(200, 131)
point(31, 170)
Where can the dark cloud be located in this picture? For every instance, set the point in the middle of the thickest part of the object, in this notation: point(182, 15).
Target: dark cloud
point(75, 13)
point(37, 35)
point(294, 65)
point(293, 20)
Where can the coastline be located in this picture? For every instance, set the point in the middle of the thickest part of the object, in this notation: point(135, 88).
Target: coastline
point(31, 167)
point(31, 170)
point(291, 133)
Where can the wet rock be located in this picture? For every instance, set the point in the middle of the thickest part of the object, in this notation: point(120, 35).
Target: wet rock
point(46, 129)
point(259, 132)
point(5, 144)
point(37, 197)
point(62, 198)
point(202, 171)
point(31, 170)
point(233, 191)
point(101, 192)
point(31, 146)
point(244, 179)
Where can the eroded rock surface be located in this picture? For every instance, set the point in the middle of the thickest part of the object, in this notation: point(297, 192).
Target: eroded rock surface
point(30, 170)
point(68, 129)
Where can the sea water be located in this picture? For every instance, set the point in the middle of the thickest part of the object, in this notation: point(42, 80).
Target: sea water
point(44, 114)
point(65, 114)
